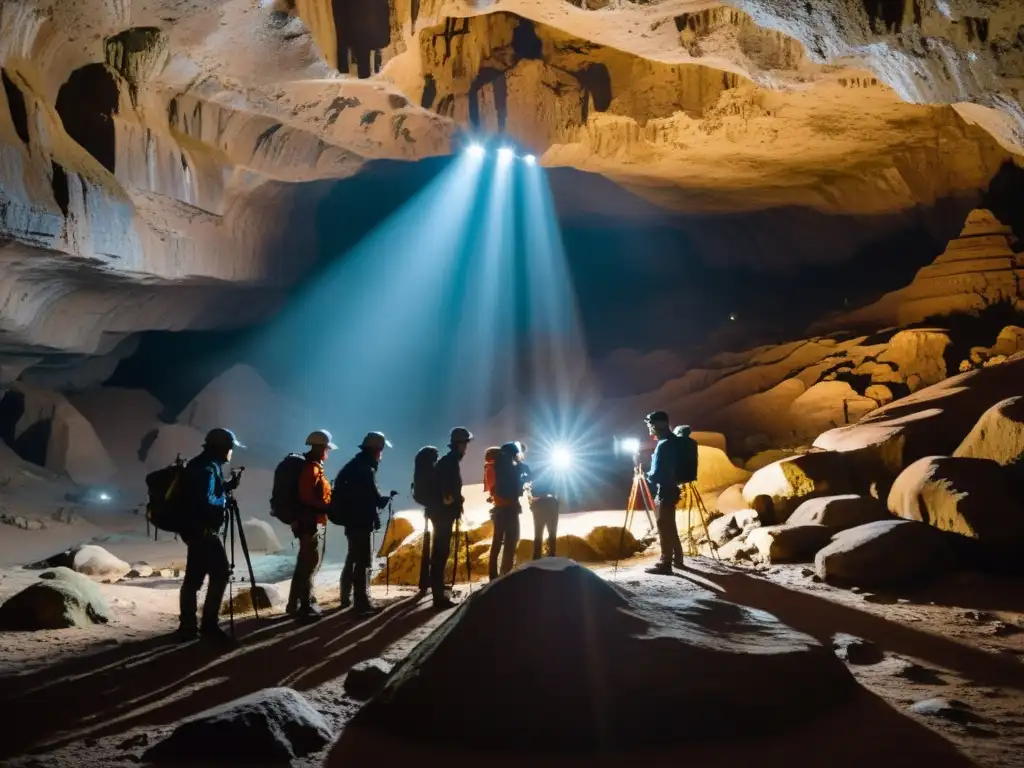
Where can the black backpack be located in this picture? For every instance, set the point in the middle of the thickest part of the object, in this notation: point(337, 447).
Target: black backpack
point(685, 449)
point(507, 477)
point(284, 497)
point(164, 508)
point(338, 511)
point(425, 490)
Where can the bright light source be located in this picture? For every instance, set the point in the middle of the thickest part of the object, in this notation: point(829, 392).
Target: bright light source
point(505, 154)
point(475, 150)
point(530, 159)
point(104, 496)
point(561, 458)
point(732, 315)
point(630, 445)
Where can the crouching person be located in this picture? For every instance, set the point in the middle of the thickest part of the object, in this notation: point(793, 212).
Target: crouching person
point(359, 502)
point(203, 506)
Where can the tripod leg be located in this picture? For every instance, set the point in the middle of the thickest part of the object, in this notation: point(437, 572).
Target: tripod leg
point(469, 574)
point(248, 560)
point(231, 573)
point(455, 554)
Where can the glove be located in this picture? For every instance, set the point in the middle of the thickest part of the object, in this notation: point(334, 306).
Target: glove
point(392, 494)
point(232, 483)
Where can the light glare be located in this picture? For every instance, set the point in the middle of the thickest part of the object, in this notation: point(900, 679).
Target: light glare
point(630, 445)
point(475, 150)
point(561, 458)
point(104, 496)
point(505, 154)
point(529, 159)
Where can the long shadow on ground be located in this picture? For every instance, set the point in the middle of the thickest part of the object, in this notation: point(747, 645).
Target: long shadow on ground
point(822, 618)
point(157, 682)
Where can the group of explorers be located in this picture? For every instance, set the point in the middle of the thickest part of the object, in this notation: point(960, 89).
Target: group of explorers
point(306, 501)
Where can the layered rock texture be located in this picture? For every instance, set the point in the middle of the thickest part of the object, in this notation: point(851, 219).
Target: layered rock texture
point(161, 163)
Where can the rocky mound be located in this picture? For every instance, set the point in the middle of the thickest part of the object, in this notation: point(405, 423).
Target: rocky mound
point(585, 666)
point(273, 725)
point(88, 559)
point(60, 599)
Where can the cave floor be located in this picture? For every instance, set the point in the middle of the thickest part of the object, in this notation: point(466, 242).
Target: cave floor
point(100, 696)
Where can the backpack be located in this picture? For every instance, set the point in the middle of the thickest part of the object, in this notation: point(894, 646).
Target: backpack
point(425, 489)
point(685, 465)
point(507, 478)
point(337, 512)
point(163, 507)
point(490, 456)
point(284, 497)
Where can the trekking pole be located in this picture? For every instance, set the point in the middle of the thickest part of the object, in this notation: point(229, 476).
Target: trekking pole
point(455, 553)
point(425, 556)
point(469, 573)
point(231, 569)
point(387, 555)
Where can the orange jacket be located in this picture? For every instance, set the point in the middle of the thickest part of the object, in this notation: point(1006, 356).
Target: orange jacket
point(315, 490)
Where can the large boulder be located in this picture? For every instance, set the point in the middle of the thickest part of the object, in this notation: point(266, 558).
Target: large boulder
point(790, 482)
point(971, 497)
point(839, 512)
point(260, 536)
point(366, 678)
point(59, 600)
point(44, 428)
point(883, 553)
point(264, 597)
point(731, 500)
point(398, 531)
point(709, 660)
point(825, 405)
point(89, 559)
point(932, 421)
point(272, 725)
point(121, 418)
point(789, 543)
point(163, 445)
point(998, 434)
point(715, 470)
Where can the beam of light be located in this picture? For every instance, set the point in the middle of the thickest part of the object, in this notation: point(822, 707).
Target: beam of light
point(530, 159)
point(366, 344)
point(475, 150)
point(561, 458)
point(629, 446)
point(506, 154)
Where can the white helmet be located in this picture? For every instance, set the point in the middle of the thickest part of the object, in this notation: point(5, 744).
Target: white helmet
point(375, 441)
point(320, 437)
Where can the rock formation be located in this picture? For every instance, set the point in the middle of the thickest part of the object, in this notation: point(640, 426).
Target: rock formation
point(60, 599)
point(161, 165)
point(981, 268)
point(697, 652)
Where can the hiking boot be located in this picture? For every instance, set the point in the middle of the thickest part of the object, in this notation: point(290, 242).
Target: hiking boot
point(308, 615)
point(217, 636)
point(186, 633)
point(443, 604)
point(367, 608)
point(661, 569)
point(346, 602)
point(677, 562)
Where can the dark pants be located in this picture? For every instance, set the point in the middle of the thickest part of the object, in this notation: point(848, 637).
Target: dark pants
point(357, 562)
point(545, 516)
point(440, 549)
point(206, 558)
point(668, 532)
point(307, 563)
point(505, 540)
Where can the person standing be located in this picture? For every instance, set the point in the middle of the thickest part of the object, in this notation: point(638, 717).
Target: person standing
point(309, 525)
point(357, 493)
point(510, 477)
point(204, 502)
point(662, 477)
point(448, 510)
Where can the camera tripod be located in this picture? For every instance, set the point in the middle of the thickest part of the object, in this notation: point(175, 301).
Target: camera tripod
point(640, 490)
point(692, 501)
point(233, 523)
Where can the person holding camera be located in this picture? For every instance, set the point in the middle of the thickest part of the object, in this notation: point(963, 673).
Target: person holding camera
point(356, 490)
point(203, 504)
point(449, 509)
point(662, 477)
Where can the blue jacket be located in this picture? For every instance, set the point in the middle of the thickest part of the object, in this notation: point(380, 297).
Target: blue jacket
point(204, 496)
point(356, 490)
point(663, 468)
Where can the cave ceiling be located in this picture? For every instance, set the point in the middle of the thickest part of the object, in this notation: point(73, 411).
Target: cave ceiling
point(170, 144)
